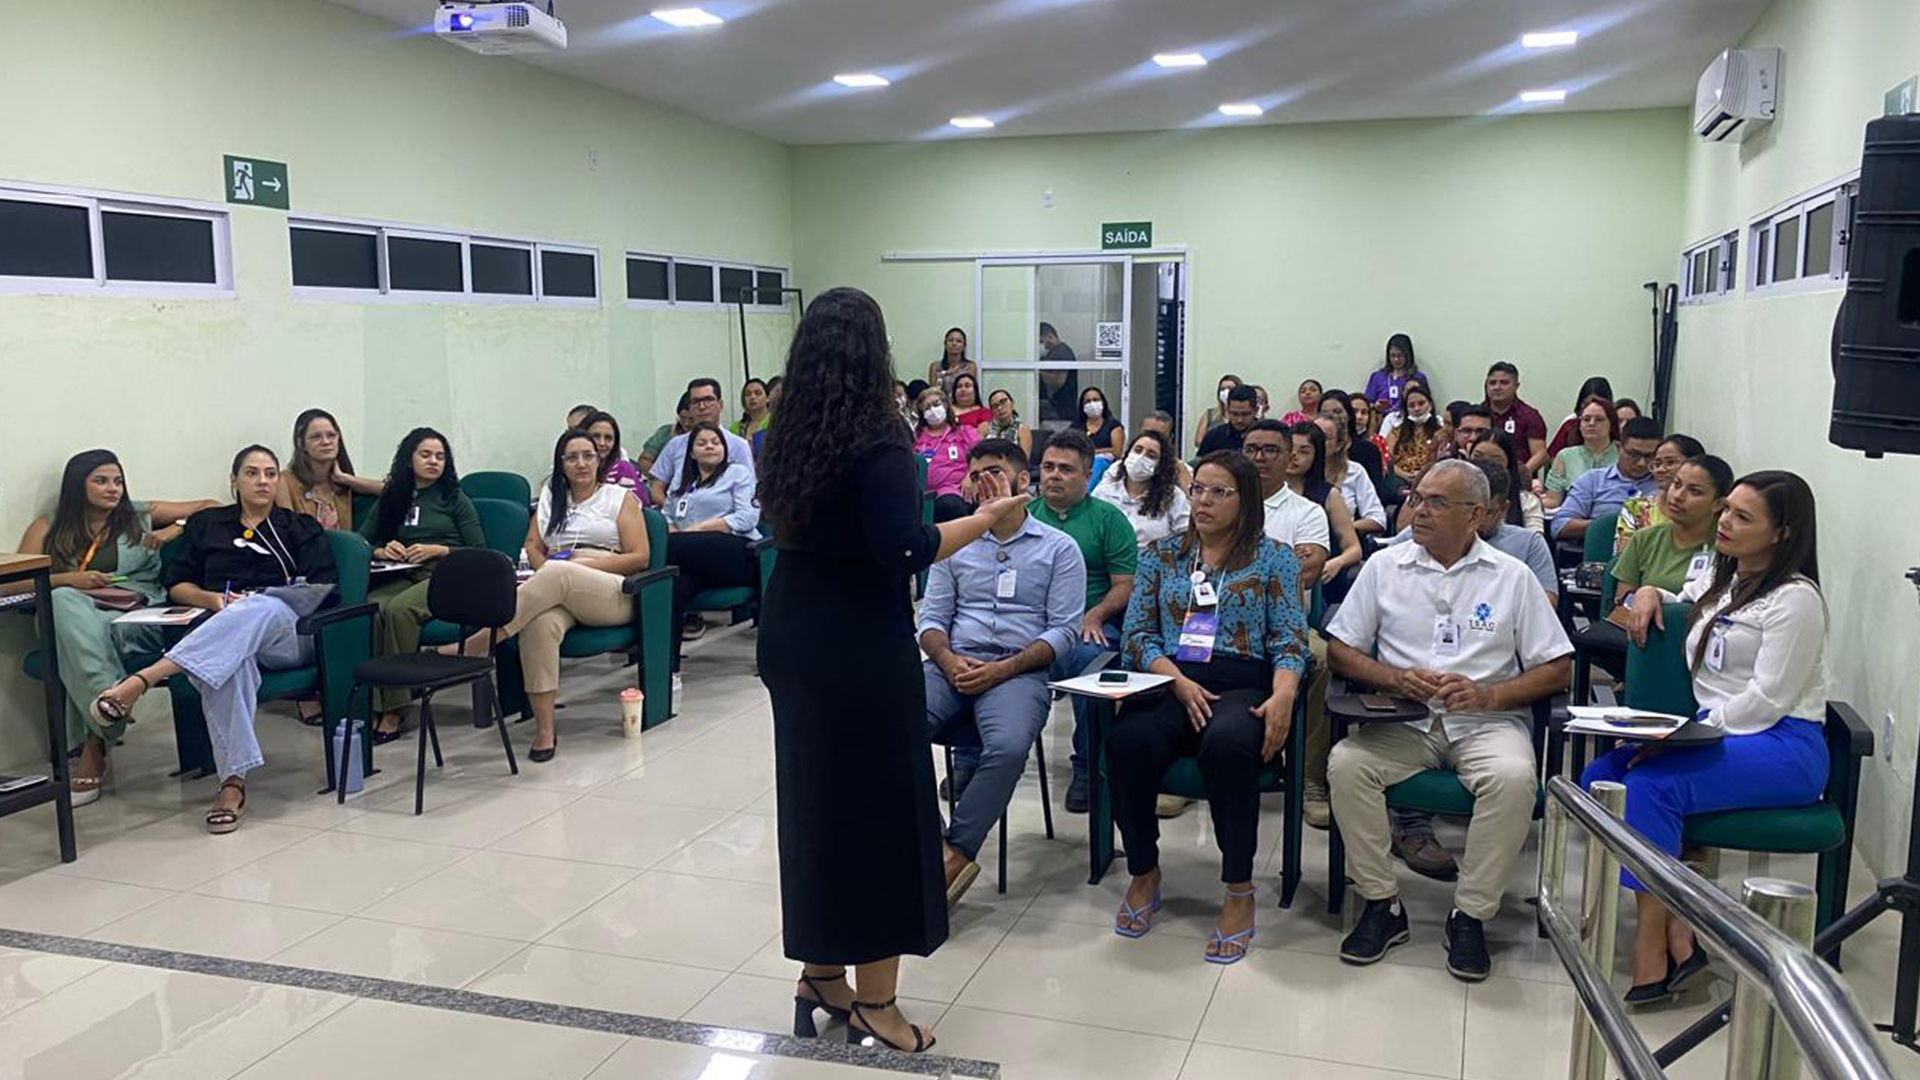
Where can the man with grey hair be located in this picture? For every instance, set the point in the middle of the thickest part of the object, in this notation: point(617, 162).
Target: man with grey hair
point(1452, 623)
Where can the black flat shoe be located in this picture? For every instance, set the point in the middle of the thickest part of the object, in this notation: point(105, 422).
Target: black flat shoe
point(1648, 993)
point(539, 756)
point(382, 738)
point(1678, 976)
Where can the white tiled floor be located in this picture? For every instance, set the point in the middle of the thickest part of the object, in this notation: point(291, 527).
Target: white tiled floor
point(642, 878)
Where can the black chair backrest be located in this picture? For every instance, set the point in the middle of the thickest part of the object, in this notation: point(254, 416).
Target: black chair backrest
point(472, 587)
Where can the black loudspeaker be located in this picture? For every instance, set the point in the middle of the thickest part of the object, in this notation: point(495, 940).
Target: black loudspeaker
point(1876, 337)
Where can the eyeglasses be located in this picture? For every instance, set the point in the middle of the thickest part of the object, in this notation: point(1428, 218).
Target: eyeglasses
point(1257, 451)
point(323, 436)
point(1436, 503)
point(1635, 455)
point(708, 400)
point(1210, 493)
point(579, 457)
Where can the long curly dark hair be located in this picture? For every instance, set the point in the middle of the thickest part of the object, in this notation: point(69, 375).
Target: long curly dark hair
point(68, 537)
point(397, 497)
point(835, 406)
point(1158, 499)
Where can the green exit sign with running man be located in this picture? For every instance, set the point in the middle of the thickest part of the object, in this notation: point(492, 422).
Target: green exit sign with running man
point(255, 181)
point(1120, 235)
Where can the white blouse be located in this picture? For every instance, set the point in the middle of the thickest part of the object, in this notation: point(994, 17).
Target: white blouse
point(1769, 660)
point(594, 523)
point(1146, 530)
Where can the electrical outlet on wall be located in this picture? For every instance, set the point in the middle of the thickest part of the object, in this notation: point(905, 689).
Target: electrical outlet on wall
point(1886, 738)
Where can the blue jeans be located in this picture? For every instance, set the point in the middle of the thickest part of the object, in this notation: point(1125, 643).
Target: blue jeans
point(1065, 667)
point(1785, 765)
point(1009, 717)
point(223, 657)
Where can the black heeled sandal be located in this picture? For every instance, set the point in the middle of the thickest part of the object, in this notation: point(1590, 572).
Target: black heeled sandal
point(922, 1042)
point(803, 1026)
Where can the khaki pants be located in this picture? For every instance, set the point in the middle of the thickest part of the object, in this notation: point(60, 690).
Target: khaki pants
point(559, 596)
point(1496, 764)
point(1319, 732)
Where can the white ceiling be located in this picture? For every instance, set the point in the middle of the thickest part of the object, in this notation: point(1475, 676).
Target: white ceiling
point(1055, 67)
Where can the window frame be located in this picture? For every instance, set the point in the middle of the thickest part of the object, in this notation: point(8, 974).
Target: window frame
point(99, 284)
point(385, 293)
point(714, 265)
point(1763, 234)
point(1724, 253)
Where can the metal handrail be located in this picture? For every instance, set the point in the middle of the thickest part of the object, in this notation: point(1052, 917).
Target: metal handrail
point(1808, 996)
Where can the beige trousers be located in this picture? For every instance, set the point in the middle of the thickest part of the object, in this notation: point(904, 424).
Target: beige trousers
point(557, 597)
point(1318, 730)
point(1496, 764)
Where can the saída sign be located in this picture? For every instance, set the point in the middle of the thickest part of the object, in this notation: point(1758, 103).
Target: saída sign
point(1121, 235)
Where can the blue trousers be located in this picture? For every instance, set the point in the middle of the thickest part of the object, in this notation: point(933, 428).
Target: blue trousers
point(1009, 717)
point(223, 657)
point(1064, 667)
point(1785, 765)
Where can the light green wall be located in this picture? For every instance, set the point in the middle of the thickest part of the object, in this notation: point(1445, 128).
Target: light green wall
point(1753, 377)
point(374, 123)
point(1524, 238)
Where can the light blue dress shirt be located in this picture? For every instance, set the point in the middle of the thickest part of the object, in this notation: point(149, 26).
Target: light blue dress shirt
point(666, 467)
point(1518, 541)
point(1049, 594)
point(1596, 493)
point(730, 497)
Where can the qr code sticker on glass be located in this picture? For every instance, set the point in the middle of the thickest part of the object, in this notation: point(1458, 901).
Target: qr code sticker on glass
point(1107, 335)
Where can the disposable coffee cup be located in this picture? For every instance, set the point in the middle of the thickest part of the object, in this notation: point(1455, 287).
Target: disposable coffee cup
point(630, 703)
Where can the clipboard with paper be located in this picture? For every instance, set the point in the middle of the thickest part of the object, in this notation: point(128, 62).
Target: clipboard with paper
point(1640, 725)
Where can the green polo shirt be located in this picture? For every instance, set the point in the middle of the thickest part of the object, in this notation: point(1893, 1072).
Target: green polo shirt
point(1105, 537)
point(446, 517)
point(1652, 558)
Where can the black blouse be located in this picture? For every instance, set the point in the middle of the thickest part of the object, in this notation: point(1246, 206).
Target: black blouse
point(219, 555)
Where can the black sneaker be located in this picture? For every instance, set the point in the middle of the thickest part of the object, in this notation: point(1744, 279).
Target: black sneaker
point(1467, 948)
point(694, 627)
point(1382, 926)
point(1079, 792)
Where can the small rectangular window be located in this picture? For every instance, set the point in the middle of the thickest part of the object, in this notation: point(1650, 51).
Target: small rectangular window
point(420, 265)
point(568, 273)
point(647, 279)
point(692, 283)
point(1763, 256)
point(1786, 250)
point(733, 282)
point(158, 247)
point(1820, 240)
point(1699, 283)
point(500, 270)
point(770, 283)
point(329, 258)
point(45, 240)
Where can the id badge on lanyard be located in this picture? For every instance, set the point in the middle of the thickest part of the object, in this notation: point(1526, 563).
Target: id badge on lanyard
point(1717, 645)
point(1202, 627)
point(1446, 633)
point(1702, 560)
point(413, 516)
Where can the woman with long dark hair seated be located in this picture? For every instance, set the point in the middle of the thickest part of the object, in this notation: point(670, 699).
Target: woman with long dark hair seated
point(1307, 476)
point(1756, 644)
point(1523, 506)
point(614, 467)
point(101, 543)
point(421, 516)
point(1218, 609)
point(1145, 486)
point(712, 517)
point(584, 540)
point(233, 555)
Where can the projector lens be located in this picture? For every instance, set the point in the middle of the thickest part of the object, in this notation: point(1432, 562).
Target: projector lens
point(463, 22)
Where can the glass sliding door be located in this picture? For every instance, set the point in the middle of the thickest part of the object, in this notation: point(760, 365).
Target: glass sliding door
point(1051, 328)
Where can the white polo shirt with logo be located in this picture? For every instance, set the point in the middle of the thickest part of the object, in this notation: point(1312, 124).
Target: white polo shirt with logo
point(1495, 608)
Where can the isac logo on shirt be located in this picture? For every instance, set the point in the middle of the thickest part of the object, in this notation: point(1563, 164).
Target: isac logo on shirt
point(1482, 618)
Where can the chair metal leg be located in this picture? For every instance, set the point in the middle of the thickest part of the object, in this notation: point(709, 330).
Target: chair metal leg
point(952, 795)
point(433, 732)
point(1003, 854)
point(1336, 869)
point(1046, 799)
point(420, 762)
point(337, 778)
point(500, 722)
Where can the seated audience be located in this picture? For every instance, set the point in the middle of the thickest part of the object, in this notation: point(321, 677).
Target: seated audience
point(712, 517)
point(1005, 422)
point(1523, 506)
point(1145, 486)
point(1298, 524)
point(1568, 434)
point(106, 546)
point(1386, 387)
point(585, 539)
point(965, 399)
point(1338, 405)
point(1640, 511)
point(1218, 610)
point(1309, 398)
point(656, 442)
point(1306, 476)
point(1626, 409)
point(1756, 642)
point(1366, 420)
point(1472, 425)
point(944, 444)
point(903, 401)
point(756, 408)
point(231, 554)
point(1099, 424)
point(703, 407)
point(1368, 515)
point(577, 416)
point(320, 482)
point(1260, 402)
point(996, 616)
point(614, 466)
point(1516, 417)
point(952, 364)
point(1242, 403)
point(1214, 415)
point(1449, 621)
point(1669, 555)
point(1597, 448)
point(1605, 491)
point(1415, 436)
point(1161, 420)
point(422, 515)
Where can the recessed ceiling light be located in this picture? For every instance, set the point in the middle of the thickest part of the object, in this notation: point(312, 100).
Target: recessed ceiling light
point(971, 123)
point(1180, 60)
point(1242, 108)
point(862, 80)
point(687, 18)
point(1543, 97)
point(1549, 39)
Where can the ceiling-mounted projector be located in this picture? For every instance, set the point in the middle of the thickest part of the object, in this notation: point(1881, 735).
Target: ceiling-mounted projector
point(500, 29)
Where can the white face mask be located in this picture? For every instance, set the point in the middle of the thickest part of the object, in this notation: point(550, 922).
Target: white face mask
point(1224, 391)
point(1421, 416)
point(935, 415)
point(1140, 466)
point(1093, 409)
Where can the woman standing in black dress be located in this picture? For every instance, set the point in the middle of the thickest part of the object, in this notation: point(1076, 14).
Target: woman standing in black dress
point(860, 874)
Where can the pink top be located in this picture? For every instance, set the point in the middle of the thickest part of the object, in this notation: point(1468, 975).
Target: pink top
point(627, 475)
point(946, 455)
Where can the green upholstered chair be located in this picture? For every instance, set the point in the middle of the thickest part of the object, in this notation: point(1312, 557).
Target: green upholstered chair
point(363, 507)
point(1658, 679)
point(505, 486)
point(1597, 545)
point(344, 638)
point(644, 640)
point(1284, 776)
